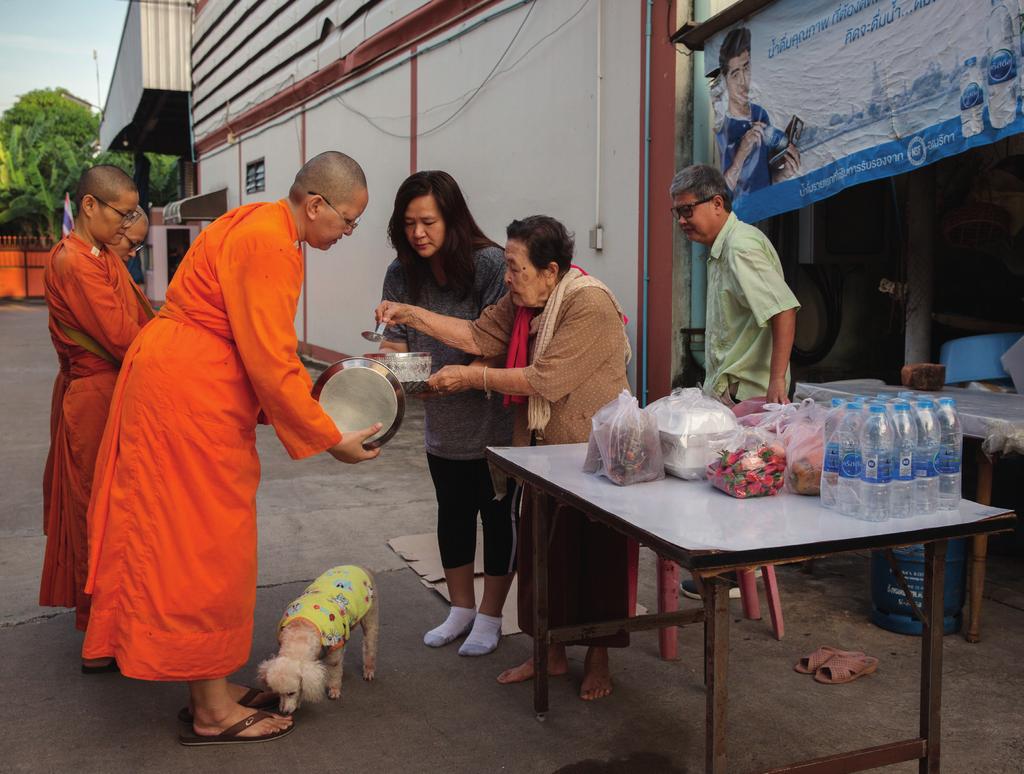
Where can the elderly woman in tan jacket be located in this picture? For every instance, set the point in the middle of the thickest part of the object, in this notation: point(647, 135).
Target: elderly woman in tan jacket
point(561, 337)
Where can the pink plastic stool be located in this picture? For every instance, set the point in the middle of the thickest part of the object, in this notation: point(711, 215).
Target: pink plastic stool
point(751, 603)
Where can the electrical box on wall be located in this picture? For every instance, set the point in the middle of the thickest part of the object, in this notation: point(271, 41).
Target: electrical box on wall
point(854, 226)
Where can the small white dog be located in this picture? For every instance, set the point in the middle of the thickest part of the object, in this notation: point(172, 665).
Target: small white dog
point(313, 633)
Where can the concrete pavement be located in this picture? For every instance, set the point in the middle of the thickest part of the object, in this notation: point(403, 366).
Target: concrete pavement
point(430, 710)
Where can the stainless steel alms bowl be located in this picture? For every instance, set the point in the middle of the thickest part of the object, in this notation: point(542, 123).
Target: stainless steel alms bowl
point(410, 367)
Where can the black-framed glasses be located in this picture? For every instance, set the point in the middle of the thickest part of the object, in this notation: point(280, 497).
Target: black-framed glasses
point(349, 222)
point(127, 218)
point(686, 210)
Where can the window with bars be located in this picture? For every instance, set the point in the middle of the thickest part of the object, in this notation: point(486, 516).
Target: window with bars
point(255, 176)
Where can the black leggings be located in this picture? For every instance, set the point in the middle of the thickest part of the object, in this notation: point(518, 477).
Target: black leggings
point(464, 489)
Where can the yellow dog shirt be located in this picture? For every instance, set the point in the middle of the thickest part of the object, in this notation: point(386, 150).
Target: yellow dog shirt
point(335, 603)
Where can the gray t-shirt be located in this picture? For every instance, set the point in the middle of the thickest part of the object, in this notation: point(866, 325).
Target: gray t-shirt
point(461, 426)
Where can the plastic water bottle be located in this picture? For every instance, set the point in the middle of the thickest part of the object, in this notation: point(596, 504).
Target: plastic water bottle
point(972, 99)
point(926, 474)
point(830, 465)
point(951, 441)
point(876, 450)
point(905, 446)
point(1001, 80)
point(848, 486)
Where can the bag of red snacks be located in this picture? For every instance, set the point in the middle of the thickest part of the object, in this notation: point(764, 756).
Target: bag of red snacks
point(752, 464)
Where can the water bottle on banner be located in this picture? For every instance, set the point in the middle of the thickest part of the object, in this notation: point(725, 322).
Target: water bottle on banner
point(848, 486)
point(876, 450)
point(951, 441)
point(926, 474)
point(830, 465)
point(905, 446)
point(1001, 80)
point(972, 99)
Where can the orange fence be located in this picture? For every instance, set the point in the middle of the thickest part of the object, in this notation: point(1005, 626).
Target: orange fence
point(22, 261)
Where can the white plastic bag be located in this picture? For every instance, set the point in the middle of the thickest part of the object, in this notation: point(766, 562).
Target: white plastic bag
point(624, 444)
point(693, 428)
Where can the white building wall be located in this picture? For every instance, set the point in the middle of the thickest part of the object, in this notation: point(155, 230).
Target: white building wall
point(344, 283)
point(527, 143)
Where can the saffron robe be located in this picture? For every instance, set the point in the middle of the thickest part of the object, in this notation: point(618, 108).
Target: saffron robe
point(90, 291)
point(173, 516)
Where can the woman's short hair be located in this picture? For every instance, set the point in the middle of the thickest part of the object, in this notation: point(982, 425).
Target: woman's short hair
point(462, 237)
point(737, 42)
point(702, 181)
point(546, 241)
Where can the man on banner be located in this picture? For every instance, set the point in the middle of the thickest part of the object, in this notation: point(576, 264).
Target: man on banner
point(95, 313)
point(751, 312)
point(754, 154)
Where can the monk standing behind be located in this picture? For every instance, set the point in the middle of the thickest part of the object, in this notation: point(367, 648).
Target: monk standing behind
point(132, 241)
point(95, 313)
point(173, 514)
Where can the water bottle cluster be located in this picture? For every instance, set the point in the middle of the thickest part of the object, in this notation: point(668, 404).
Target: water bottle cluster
point(993, 83)
point(891, 458)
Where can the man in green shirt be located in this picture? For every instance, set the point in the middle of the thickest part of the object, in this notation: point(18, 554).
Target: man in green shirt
point(751, 312)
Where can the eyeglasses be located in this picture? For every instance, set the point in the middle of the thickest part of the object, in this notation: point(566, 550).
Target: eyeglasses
point(127, 218)
point(138, 248)
point(349, 222)
point(686, 210)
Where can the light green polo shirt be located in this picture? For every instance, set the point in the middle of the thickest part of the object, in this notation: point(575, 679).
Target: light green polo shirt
point(746, 288)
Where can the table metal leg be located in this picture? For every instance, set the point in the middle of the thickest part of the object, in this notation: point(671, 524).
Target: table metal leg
point(931, 656)
point(668, 602)
point(979, 549)
point(541, 516)
point(716, 669)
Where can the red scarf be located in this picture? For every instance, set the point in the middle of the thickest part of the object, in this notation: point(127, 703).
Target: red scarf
point(519, 342)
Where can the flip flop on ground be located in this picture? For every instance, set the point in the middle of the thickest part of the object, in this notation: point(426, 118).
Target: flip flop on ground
point(810, 664)
point(248, 700)
point(231, 735)
point(845, 669)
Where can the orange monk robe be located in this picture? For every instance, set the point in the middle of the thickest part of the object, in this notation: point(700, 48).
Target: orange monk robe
point(173, 515)
point(89, 290)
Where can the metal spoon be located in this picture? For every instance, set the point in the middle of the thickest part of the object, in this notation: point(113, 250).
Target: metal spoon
point(376, 335)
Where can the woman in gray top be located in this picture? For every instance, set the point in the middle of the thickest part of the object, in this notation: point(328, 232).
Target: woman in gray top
point(447, 265)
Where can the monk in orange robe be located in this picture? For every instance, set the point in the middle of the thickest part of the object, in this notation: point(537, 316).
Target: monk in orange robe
point(95, 313)
point(173, 513)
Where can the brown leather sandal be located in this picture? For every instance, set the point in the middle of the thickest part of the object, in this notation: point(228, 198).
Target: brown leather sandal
point(231, 735)
point(185, 714)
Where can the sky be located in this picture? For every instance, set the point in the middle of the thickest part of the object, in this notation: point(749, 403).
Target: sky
point(49, 43)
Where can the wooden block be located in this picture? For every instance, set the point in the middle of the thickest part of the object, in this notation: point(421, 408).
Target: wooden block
point(923, 376)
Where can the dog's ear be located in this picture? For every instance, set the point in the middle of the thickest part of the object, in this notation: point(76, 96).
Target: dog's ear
point(314, 679)
point(263, 669)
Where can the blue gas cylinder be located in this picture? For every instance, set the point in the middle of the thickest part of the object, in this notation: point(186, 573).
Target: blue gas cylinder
point(889, 606)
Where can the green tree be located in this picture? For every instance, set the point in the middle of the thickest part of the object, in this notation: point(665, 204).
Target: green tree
point(46, 142)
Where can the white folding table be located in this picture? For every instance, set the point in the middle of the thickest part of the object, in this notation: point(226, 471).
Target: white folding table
point(711, 533)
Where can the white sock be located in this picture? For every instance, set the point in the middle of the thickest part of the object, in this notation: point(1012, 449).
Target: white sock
point(484, 637)
point(458, 622)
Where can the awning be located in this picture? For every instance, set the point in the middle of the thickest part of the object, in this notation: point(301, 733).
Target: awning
point(208, 206)
point(693, 35)
point(148, 104)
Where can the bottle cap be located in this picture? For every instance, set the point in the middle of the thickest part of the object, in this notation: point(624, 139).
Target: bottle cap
point(877, 409)
point(925, 404)
point(853, 405)
point(837, 402)
point(901, 405)
point(947, 402)
point(971, 62)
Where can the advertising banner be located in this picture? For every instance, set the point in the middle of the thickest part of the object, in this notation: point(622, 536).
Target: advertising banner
point(813, 96)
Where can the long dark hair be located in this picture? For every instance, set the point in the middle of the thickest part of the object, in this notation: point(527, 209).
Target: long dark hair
point(462, 235)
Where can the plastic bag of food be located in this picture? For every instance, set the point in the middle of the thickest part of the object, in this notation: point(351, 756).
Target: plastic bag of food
point(752, 464)
point(693, 428)
point(624, 443)
point(804, 441)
